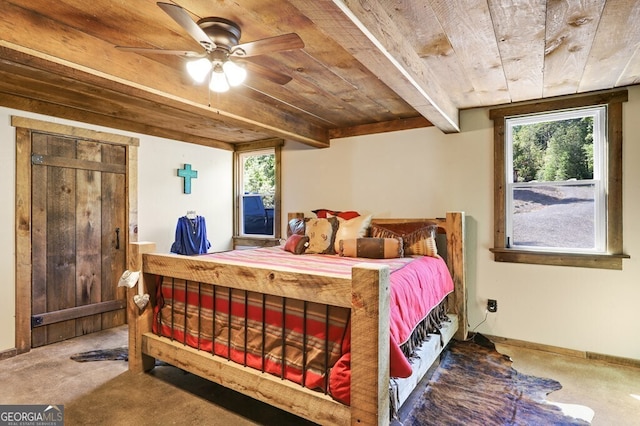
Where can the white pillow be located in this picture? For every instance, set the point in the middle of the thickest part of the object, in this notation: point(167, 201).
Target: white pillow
point(352, 228)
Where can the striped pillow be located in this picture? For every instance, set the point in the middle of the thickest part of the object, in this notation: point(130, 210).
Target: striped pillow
point(372, 248)
point(421, 242)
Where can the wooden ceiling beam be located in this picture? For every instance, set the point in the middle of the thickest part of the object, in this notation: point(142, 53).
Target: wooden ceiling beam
point(383, 127)
point(55, 110)
point(372, 37)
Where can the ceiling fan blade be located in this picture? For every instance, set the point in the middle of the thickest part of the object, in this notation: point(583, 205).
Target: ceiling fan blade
point(266, 73)
point(185, 53)
point(265, 46)
point(181, 16)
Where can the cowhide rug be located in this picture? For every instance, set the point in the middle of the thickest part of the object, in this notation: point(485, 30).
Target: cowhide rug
point(115, 354)
point(476, 385)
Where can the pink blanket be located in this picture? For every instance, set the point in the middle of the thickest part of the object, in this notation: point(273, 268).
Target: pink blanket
point(415, 292)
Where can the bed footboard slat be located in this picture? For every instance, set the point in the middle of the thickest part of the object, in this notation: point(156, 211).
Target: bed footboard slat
point(312, 287)
point(265, 387)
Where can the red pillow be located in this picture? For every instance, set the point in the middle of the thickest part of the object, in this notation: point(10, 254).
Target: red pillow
point(325, 213)
point(347, 215)
point(322, 213)
point(296, 244)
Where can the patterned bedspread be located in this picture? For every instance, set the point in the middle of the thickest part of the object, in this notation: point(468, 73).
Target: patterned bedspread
point(232, 323)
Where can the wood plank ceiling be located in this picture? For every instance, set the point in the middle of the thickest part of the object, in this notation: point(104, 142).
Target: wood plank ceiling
point(367, 66)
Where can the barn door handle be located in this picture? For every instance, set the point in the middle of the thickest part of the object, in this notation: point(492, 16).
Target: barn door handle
point(117, 238)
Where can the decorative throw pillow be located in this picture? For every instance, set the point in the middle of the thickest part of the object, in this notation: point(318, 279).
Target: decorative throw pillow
point(351, 228)
point(295, 227)
point(322, 234)
point(296, 244)
point(326, 213)
point(421, 241)
point(350, 214)
point(372, 248)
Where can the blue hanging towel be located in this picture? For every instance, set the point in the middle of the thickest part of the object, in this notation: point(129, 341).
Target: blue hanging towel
point(191, 236)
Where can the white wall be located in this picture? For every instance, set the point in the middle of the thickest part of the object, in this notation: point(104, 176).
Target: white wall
point(424, 173)
point(160, 199)
point(7, 231)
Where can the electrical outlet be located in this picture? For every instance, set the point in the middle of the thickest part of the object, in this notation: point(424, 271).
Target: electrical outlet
point(492, 305)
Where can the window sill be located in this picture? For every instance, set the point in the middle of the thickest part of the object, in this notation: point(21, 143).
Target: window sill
point(245, 241)
point(582, 260)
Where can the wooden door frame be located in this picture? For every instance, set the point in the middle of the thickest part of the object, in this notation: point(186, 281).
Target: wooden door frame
point(23, 267)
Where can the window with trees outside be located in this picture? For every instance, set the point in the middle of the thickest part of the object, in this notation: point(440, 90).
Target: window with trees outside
point(257, 194)
point(558, 182)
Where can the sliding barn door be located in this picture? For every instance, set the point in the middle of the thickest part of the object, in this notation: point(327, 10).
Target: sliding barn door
point(78, 237)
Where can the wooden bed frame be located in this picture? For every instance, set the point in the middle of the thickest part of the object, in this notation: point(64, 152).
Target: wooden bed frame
point(366, 294)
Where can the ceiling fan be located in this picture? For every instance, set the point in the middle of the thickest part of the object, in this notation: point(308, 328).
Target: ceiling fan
point(224, 60)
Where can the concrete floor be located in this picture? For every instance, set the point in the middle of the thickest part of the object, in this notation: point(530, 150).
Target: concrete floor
point(105, 393)
point(611, 391)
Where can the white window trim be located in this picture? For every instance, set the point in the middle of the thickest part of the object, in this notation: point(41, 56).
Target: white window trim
point(599, 115)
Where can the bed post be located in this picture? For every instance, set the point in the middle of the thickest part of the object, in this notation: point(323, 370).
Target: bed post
point(370, 293)
point(139, 321)
point(456, 261)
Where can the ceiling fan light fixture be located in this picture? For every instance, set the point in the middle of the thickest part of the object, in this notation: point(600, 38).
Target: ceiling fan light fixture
point(199, 69)
point(235, 73)
point(218, 82)
point(220, 39)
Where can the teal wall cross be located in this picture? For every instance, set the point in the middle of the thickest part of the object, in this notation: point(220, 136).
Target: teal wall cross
point(187, 174)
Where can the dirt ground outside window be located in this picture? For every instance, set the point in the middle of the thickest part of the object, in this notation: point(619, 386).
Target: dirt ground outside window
point(554, 216)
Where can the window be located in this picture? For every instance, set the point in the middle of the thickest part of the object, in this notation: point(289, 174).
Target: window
point(558, 174)
point(257, 193)
point(556, 197)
